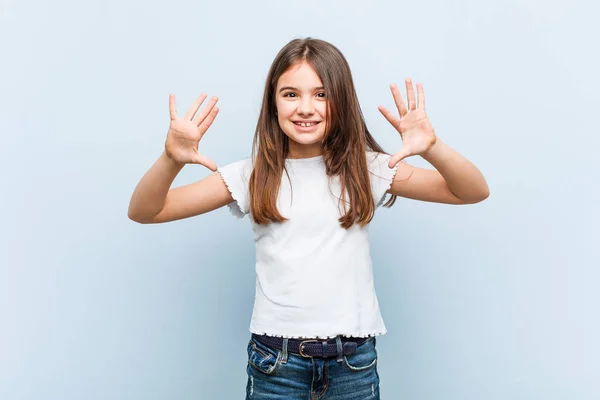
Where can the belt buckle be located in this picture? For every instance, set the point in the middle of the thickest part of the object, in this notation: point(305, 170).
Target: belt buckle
point(301, 347)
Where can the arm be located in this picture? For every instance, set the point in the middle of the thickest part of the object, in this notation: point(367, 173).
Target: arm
point(153, 202)
point(455, 179)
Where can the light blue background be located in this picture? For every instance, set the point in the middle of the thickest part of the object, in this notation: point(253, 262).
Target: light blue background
point(492, 301)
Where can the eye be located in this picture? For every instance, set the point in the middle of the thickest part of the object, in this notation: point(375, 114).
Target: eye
point(321, 94)
point(290, 94)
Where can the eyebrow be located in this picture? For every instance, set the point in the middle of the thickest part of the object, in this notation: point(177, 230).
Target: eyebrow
point(293, 88)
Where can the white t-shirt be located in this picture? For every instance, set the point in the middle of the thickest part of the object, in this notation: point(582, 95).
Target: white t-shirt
point(314, 279)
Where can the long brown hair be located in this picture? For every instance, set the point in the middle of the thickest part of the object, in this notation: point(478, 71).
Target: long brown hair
point(345, 142)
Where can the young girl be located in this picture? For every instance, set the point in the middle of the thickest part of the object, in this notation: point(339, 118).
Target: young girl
point(311, 188)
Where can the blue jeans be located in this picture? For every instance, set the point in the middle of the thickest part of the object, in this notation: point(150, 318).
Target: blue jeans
point(277, 375)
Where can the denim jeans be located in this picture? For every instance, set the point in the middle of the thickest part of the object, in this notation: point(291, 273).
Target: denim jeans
point(277, 374)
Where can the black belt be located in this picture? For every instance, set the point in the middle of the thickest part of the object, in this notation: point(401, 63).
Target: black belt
point(312, 347)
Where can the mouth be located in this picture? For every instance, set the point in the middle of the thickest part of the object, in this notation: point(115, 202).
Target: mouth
point(306, 124)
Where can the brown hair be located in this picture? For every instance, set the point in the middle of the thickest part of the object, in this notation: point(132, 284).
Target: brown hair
point(345, 142)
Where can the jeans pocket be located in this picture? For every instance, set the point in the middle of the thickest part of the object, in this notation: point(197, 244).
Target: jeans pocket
point(263, 358)
point(364, 358)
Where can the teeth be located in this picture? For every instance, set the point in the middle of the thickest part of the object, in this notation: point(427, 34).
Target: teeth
point(306, 124)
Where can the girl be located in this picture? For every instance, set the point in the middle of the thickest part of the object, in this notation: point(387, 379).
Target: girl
point(311, 187)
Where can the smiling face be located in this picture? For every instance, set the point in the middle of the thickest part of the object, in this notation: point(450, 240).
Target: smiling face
point(301, 110)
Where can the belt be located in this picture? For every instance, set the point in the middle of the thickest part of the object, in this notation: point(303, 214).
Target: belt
point(323, 348)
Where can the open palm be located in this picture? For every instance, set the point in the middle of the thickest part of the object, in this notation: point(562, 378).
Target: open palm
point(414, 126)
point(185, 133)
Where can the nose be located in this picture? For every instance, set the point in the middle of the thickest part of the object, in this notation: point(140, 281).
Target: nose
point(306, 107)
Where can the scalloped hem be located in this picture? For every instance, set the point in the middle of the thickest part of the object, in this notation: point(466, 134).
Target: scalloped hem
point(395, 170)
point(234, 206)
point(360, 335)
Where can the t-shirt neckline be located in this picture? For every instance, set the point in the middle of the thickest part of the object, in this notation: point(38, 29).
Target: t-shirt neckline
point(305, 160)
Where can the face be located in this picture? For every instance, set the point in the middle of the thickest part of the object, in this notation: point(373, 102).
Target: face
point(301, 109)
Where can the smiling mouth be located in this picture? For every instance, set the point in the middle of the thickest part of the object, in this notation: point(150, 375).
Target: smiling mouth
point(306, 124)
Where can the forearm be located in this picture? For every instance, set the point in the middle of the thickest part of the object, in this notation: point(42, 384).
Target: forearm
point(150, 194)
point(462, 176)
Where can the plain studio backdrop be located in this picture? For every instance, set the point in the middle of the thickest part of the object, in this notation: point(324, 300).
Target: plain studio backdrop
point(494, 301)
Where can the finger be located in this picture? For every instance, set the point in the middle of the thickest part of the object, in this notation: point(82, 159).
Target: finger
point(396, 158)
point(172, 109)
point(203, 160)
point(194, 108)
point(410, 95)
point(421, 96)
point(398, 100)
point(392, 119)
point(206, 111)
point(203, 127)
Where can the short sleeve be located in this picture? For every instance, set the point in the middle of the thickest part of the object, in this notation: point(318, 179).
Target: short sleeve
point(381, 175)
point(237, 176)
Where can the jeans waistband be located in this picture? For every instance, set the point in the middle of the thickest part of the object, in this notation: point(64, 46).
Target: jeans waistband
point(322, 348)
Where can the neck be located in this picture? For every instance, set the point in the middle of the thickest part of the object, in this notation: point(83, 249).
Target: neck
point(304, 150)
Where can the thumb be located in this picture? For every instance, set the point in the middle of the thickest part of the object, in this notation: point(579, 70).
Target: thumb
point(205, 161)
point(399, 156)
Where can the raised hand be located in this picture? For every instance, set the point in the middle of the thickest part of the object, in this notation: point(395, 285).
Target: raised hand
point(413, 125)
point(185, 133)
